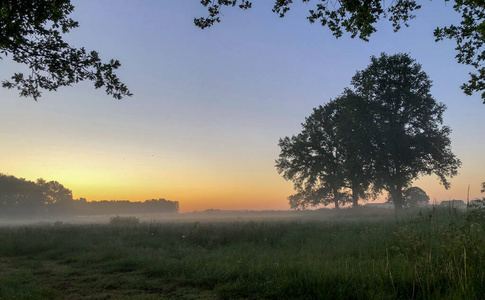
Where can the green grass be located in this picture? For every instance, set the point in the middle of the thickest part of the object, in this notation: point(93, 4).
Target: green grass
point(428, 254)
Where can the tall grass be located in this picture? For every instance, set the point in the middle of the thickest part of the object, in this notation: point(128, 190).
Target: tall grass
point(434, 254)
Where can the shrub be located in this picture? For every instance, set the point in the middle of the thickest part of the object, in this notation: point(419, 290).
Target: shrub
point(124, 220)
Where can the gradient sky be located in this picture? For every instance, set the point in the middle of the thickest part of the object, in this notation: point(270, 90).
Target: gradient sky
point(210, 105)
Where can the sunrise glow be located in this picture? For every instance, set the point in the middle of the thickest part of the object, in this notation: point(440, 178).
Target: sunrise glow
point(210, 106)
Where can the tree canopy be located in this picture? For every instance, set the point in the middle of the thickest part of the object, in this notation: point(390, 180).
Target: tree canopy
point(360, 17)
point(19, 196)
point(32, 34)
point(409, 139)
point(415, 196)
point(355, 145)
point(329, 161)
point(312, 160)
point(54, 192)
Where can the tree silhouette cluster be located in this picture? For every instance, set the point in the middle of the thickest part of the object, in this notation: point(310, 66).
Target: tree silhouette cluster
point(381, 135)
point(20, 197)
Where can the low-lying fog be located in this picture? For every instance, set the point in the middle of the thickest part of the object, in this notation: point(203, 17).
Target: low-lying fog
point(215, 216)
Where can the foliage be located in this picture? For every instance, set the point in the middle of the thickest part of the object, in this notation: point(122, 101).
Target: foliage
point(23, 197)
point(426, 254)
point(470, 41)
point(360, 17)
point(483, 187)
point(408, 137)
point(32, 33)
point(331, 156)
point(354, 130)
point(124, 220)
point(20, 196)
point(413, 197)
point(356, 17)
point(312, 160)
point(54, 192)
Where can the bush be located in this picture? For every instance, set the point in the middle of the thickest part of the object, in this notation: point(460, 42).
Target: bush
point(124, 220)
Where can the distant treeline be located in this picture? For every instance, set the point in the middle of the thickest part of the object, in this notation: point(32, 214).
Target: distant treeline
point(21, 197)
point(105, 207)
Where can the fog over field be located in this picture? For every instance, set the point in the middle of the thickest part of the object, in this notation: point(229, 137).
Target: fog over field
point(210, 216)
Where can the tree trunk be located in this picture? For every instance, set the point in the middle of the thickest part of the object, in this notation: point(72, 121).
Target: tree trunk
point(355, 197)
point(336, 198)
point(397, 197)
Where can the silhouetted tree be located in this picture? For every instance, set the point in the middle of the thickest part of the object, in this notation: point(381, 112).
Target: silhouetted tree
point(19, 196)
point(360, 17)
point(354, 130)
point(409, 139)
point(59, 197)
point(32, 33)
point(298, 201)
point(55, 192)
point(332, 154)
point(413, 196)
point(314, 162)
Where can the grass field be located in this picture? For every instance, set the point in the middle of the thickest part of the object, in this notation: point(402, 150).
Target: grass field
point(349, 254)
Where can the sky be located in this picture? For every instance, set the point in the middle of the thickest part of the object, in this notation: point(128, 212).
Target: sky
point(209, 106)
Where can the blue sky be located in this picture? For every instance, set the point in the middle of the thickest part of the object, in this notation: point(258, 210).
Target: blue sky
point(210, 105)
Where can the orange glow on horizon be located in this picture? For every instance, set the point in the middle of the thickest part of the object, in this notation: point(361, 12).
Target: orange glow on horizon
point(196, 184)
point(263, 195)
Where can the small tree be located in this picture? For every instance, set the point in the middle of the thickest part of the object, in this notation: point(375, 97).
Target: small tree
point(413, 196)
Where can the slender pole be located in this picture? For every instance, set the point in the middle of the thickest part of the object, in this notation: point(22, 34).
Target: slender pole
point(468, 195)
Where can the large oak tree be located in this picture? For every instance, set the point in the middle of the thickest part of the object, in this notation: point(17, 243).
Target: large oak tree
point(409, 139)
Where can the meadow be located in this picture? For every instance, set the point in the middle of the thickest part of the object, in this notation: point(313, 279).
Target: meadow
point(429, 253)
